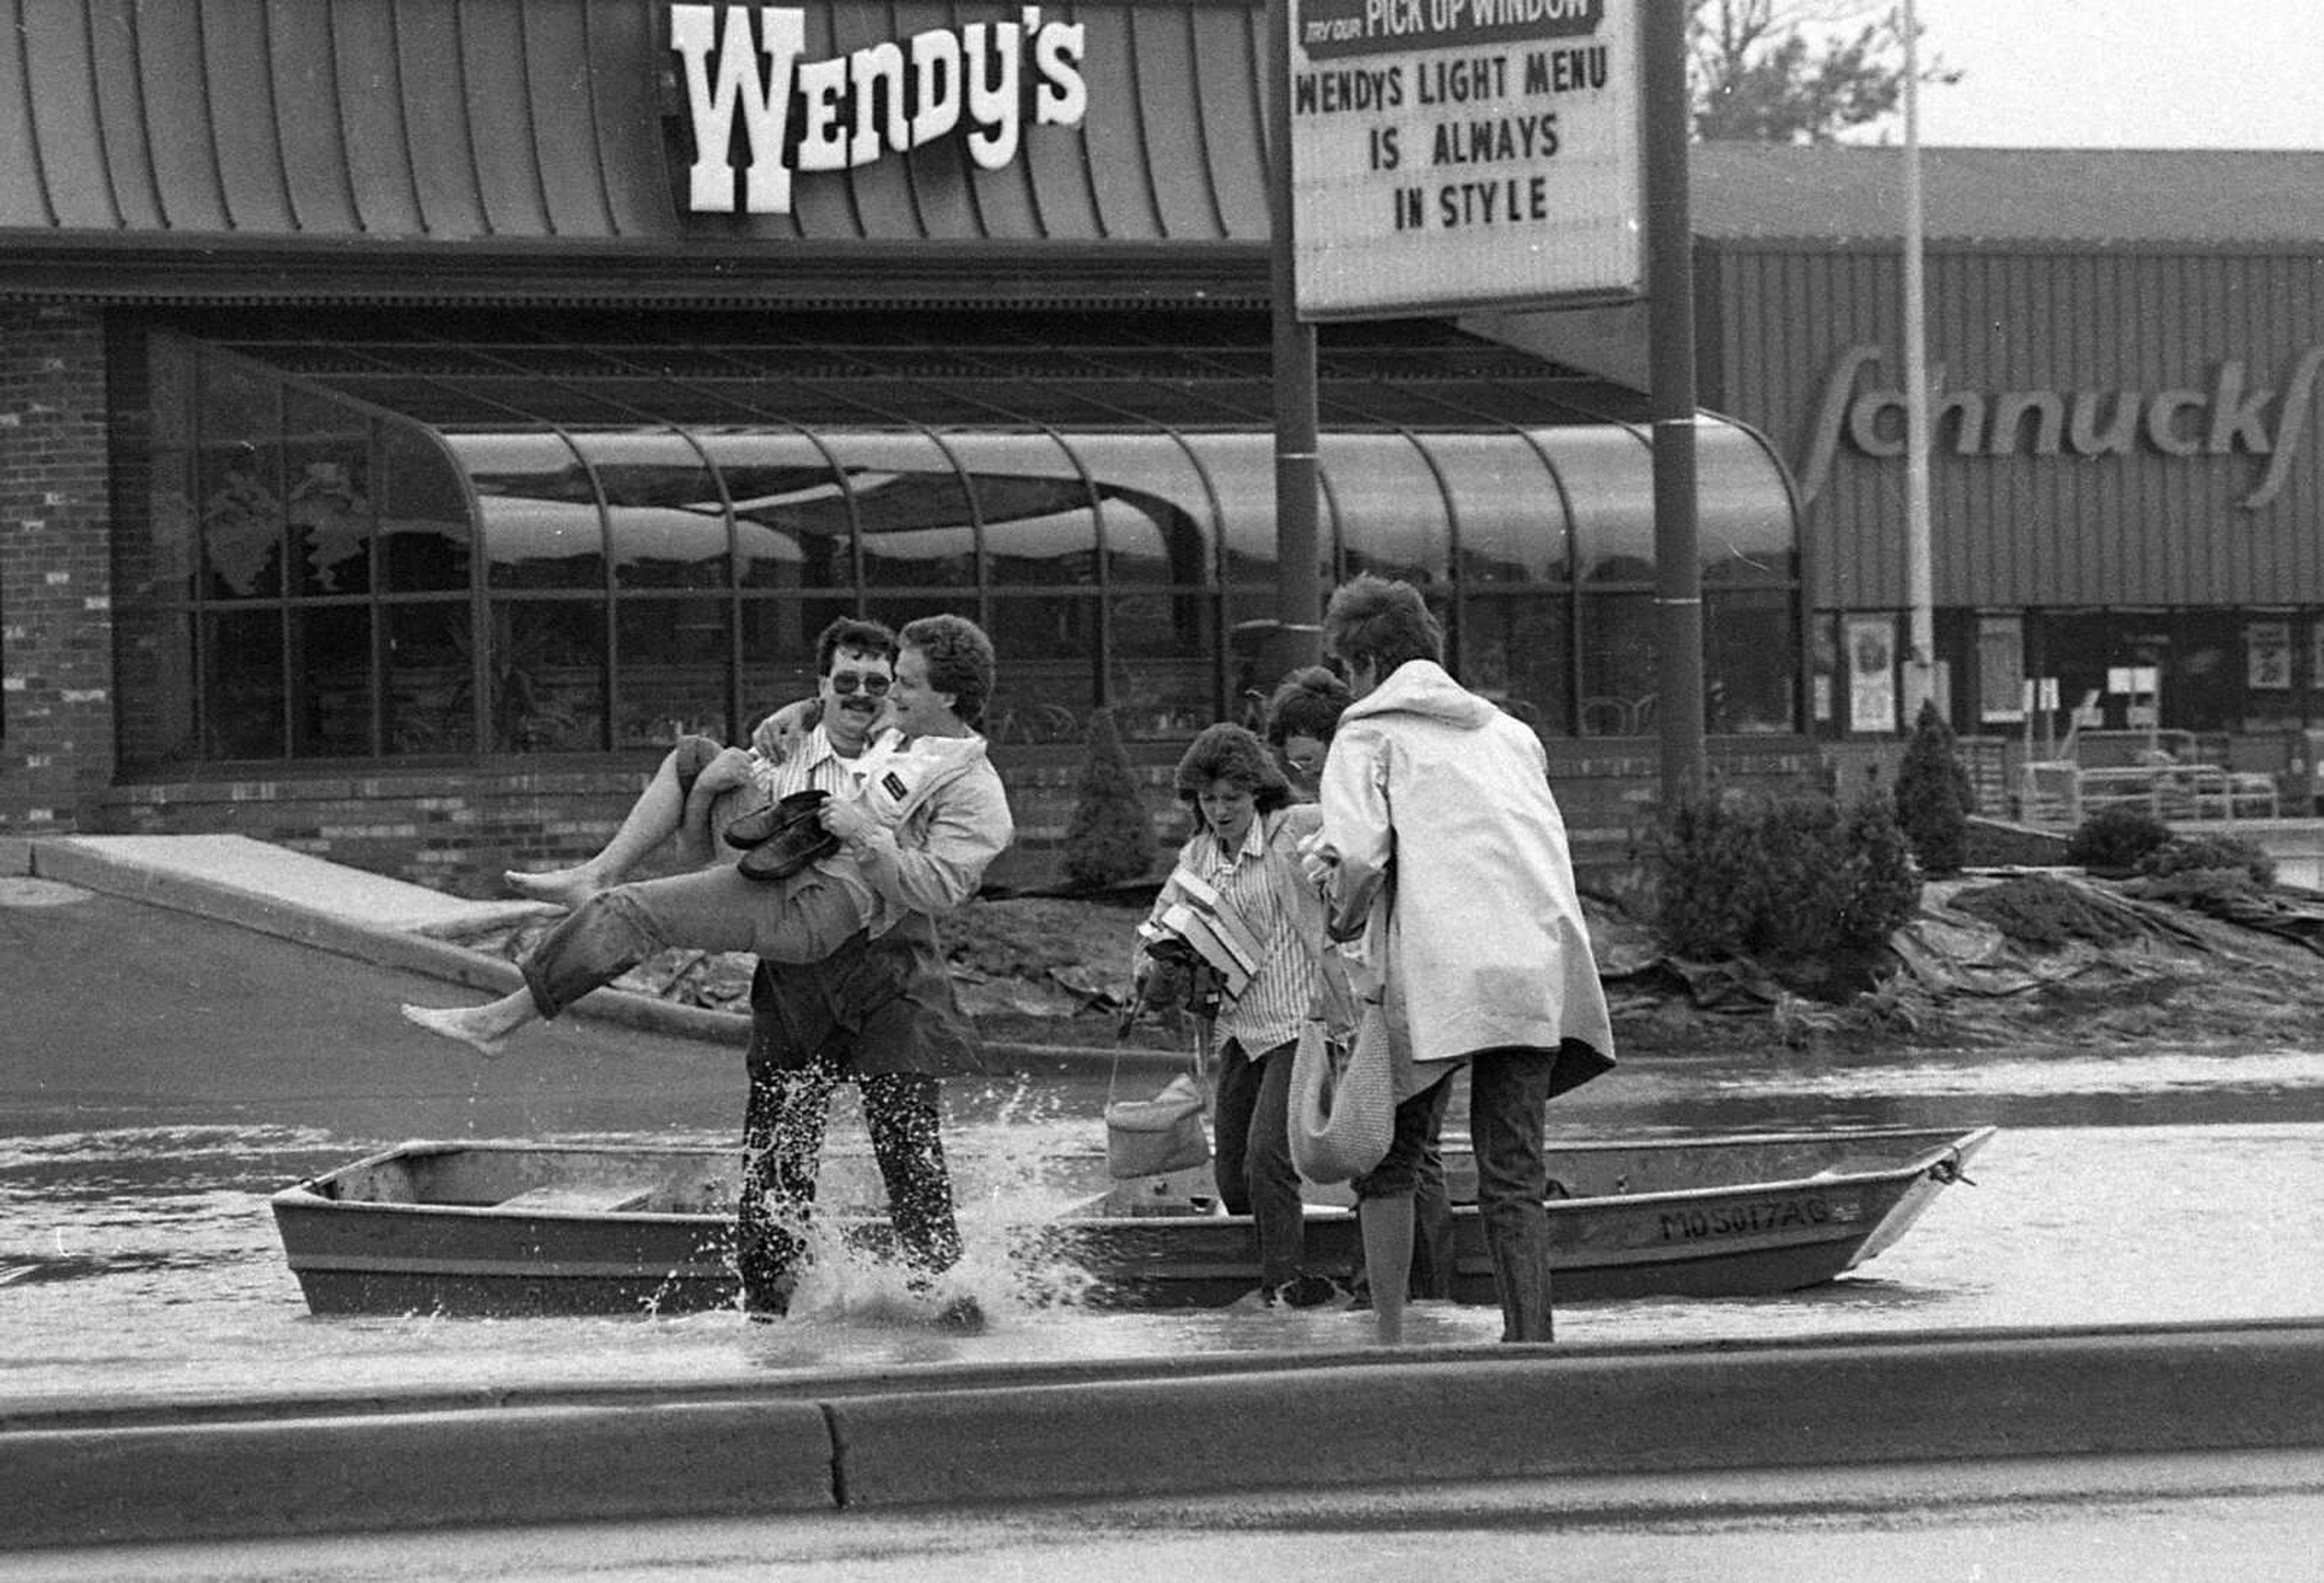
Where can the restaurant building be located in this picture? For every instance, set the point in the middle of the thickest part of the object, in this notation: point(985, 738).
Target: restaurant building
point(417, 410)
point(406, 425)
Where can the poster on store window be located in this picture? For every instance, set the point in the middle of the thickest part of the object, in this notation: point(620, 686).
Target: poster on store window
point(2267, 656)
point(1871, 647)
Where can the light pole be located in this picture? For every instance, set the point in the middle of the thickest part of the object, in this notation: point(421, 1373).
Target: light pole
point(1921, 655)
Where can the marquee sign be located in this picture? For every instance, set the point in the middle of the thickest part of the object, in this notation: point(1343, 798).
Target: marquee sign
point(1463, 154)
point(982, 80)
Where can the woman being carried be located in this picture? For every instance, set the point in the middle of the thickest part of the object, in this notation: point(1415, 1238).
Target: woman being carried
point(929, 817)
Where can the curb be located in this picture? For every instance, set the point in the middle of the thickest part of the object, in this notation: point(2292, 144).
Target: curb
point(1019, 1434)
point(410, 951)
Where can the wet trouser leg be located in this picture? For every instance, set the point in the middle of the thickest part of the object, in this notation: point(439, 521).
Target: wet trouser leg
point(903, 1113)
point(1507, 1091)
point(804, 918)
point(1432, 1209)
point(782, 1147)
point(1234, 1100)
point(1278, 1214)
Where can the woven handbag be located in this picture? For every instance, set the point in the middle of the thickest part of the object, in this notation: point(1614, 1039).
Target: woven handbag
point(1342, 1100)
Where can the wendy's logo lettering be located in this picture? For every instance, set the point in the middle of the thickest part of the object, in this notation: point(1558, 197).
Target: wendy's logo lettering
point(805, 115)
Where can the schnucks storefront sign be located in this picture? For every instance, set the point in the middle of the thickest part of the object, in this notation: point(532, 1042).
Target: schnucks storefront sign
point(1461, 153)
point(2234, 414)
point(982, 80)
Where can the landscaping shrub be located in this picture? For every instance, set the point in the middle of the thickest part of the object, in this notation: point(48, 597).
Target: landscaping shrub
point(1110, 839)
point(2046, 913)
point(2183, 853)
point(2115, 841)
point(1786, 880)
point(1933, 794)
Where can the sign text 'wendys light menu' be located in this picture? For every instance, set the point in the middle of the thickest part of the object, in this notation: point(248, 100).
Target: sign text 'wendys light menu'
point(1449, 153)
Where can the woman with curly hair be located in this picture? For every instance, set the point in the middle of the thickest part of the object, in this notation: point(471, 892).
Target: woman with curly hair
point(1246, 849)
point(1301, 717)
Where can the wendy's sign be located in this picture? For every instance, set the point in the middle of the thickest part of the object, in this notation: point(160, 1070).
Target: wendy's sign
point(982, 80)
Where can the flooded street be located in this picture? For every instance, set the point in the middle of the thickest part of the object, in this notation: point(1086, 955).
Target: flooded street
point(137, 1254)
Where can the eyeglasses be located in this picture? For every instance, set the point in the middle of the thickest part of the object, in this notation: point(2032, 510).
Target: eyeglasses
point(843, 682)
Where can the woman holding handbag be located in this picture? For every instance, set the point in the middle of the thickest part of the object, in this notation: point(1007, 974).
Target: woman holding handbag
point(1478, 937)
point(1240, 876)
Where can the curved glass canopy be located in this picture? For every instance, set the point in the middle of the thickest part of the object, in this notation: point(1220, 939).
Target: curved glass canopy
point(505, 545)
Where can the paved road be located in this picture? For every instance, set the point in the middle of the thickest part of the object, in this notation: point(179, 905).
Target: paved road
point(2119, 1520)
point(1697, 1463)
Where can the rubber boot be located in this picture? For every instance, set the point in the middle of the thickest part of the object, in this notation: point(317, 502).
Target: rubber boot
point(1387, 1226)
point(1521, 1257)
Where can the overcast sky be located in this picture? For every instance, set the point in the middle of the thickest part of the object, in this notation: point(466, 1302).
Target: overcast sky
point(2125, 73)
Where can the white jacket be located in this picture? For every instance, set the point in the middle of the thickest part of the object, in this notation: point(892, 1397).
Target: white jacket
point(1439, 807)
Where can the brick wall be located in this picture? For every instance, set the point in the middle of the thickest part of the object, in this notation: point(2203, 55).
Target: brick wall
point(456, 830)
point(56, 633)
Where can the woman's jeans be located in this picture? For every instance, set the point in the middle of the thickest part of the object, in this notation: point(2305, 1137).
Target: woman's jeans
point(1253, 1166)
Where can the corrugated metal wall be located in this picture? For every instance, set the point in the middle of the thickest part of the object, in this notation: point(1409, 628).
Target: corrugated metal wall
point(2021, 528)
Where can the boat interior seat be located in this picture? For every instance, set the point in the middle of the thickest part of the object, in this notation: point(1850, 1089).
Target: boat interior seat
point(584, 1198)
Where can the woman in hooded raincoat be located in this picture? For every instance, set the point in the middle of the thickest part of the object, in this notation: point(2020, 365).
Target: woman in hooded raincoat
point(1443, 847)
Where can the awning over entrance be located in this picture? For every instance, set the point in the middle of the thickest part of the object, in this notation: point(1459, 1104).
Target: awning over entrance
point(649, 517)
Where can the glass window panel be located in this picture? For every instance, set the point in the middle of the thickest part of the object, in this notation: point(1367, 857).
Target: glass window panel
point(666, 520)
point(429, 699)
point(1163, 680)
point(327, 474)
point(1252, 676)
point(1517, 649)
point(1242, 470)
point(1040, 524)
point(425, 537)
point(1751, 661)
point(792, 528)
point(670, 676)
point(548, 676)
point(156, 669)
point(1744, 527)
point(167, 566)
point(240, 489)
point(1047, 648)
point(330, 682)
point(1391, 508)
point(1510, 522)
point(911, 509)
point(778, 643)
point(1620, 665)
point(241, 685)
point(542, 528)
point(1609, 479)
point(1160, 525)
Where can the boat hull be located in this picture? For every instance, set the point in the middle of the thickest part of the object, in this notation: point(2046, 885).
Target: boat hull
point(509, 1230)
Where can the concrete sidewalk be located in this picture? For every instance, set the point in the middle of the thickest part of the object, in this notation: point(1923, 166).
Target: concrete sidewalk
point(974, 1437)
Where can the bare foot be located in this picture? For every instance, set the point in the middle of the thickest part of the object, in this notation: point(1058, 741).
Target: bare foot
point(467, 1024)
point(567, 887)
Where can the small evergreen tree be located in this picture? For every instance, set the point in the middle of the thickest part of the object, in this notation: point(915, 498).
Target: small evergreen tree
point(1933, 794)
point(1110, 839)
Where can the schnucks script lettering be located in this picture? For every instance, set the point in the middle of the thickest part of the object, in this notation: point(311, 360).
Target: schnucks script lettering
point(2230, 416)
point(851, 109)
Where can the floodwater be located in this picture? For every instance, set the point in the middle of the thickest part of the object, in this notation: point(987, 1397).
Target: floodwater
point(140, 1260)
